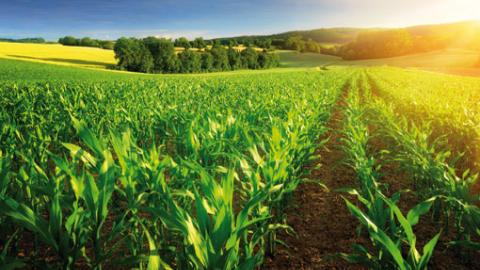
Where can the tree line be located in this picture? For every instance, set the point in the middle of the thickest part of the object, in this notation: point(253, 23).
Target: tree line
point(158, 55)
point(388, 43)
point(24, 40)
point(297, 43)
point(86, 42)
point(182, 42)
point(368, 44)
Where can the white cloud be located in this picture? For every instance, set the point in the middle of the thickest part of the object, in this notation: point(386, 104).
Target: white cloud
point(141, 33)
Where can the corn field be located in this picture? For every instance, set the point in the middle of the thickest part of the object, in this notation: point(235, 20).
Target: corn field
point(198, 172)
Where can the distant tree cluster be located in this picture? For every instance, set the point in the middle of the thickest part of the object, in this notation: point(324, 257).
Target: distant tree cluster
point(86, 42)
point(24, 40)
point(263, 43)
point(297, 43)
point(388, 43)
point(158, 55)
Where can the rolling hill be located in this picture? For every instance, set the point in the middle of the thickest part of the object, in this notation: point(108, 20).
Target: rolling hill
point(461, 34)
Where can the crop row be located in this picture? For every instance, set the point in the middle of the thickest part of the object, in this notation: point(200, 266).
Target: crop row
point(425, 164)
point(175, 173)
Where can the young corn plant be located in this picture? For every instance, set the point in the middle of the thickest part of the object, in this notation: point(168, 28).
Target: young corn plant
point(389, 240)
point(217, 237)
point(433, 174)
point(388, 229)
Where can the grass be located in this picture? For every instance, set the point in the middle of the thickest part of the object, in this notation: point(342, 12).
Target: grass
point(296, 59)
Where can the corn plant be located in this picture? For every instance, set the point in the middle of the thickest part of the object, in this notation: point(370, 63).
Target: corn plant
point(433, 174)
point(388, 229)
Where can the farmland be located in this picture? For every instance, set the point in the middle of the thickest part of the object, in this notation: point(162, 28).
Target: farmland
point(453, 61)
point(282, 169)
point(58, 54)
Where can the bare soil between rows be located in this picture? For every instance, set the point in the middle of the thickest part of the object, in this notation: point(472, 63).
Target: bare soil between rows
point(323, 225)
point(321, 221)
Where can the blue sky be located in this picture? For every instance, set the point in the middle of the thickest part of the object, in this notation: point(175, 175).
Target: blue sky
point(111, 19)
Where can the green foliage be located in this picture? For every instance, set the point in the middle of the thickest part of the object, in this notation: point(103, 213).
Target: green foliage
point(69, 41)
point(86, 42)
point(190, 62)
point(220, 57)
point(234, 59)
point(24, 40)
point(199, 43)
point(388, 229)
point(170, 172)
point(182, 42)
point(250, 58)
point(133, 55)
point(378, 44)
point(130, 53)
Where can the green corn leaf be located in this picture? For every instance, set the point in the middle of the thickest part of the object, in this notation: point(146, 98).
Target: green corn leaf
point(154, 260)
point(428, 252)
point(419, 210)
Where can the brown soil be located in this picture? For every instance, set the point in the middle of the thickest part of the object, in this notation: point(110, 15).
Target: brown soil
point(398, 179)
point(323, 225)
point(320, 218)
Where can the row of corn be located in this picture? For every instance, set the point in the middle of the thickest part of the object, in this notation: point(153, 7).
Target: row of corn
point(179, 173)
point(389, 229)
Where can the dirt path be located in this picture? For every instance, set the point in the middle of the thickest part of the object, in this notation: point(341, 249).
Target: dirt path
point(320, 219)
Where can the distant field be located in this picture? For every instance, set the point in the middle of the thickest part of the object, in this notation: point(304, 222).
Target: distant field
point(454, 61)
point(58, 54)
point(451, 58)
point(296, 59)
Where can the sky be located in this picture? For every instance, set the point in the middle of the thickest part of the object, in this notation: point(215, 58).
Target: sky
point(110, 19)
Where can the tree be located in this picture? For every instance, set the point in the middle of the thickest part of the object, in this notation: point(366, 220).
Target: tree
point(208, 43)
point(69, 41)
point(88, 42)
point(295, 43)
point(163, 53)
point(220, 57)
point(199, 43)
point(312, 46)
point(233, 42)
point(234, 60)
point(190, 62)
point(247, 42)
point(379, 44)
point(267, 60)
point(107, 44)
point(153, 54)
point(133, 55)
point(249, 58)
point(207, 61)
point(182, 42)
point(263, 43)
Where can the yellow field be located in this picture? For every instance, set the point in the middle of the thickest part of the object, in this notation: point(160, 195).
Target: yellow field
point(63, 55)
point(58, 54)
point(453, 61)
